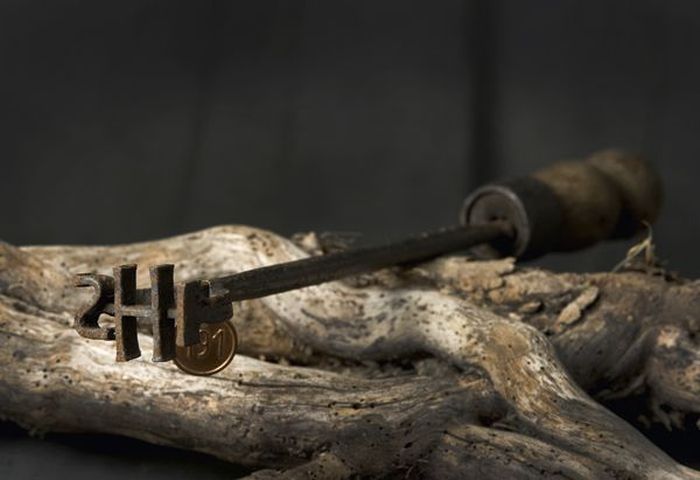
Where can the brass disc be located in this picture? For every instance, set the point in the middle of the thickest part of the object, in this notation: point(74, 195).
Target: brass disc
point(217, 346)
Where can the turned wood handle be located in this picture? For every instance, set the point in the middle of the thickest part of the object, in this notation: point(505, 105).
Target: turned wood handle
point(569, 205)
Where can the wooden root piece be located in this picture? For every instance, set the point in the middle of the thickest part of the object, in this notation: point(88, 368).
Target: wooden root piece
point(505, 398)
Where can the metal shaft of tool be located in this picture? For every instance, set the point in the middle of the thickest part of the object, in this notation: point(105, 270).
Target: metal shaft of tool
point(283, 277)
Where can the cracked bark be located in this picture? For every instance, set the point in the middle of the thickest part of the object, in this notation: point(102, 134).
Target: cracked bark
point(449, 369)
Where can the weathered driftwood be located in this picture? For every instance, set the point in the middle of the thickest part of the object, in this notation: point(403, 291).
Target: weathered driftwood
point(451, 369)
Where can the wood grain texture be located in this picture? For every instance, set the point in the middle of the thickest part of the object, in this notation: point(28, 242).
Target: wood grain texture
point(453, 368)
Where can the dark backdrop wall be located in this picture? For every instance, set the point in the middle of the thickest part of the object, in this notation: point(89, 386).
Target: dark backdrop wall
point(129, 120)
point(125, 121)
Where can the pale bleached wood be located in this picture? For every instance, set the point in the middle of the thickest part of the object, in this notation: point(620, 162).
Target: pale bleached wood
point(633, 333)
point(501, 403)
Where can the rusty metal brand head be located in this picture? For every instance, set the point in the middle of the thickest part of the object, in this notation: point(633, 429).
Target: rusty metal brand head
point(175, 311)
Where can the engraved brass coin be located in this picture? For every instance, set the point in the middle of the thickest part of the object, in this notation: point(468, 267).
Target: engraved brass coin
point(217, 346)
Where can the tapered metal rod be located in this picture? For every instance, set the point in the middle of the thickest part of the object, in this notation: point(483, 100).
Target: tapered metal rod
point(564, 207)
point(282, 277)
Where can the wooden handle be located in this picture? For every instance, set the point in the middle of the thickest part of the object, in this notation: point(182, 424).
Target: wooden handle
point(609, 195)
point(570, 205)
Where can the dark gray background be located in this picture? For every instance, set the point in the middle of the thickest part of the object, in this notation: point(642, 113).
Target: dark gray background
point(130, 120)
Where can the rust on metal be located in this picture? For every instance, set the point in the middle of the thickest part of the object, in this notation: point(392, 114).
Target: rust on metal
point(563, 207)
point(179, 313)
